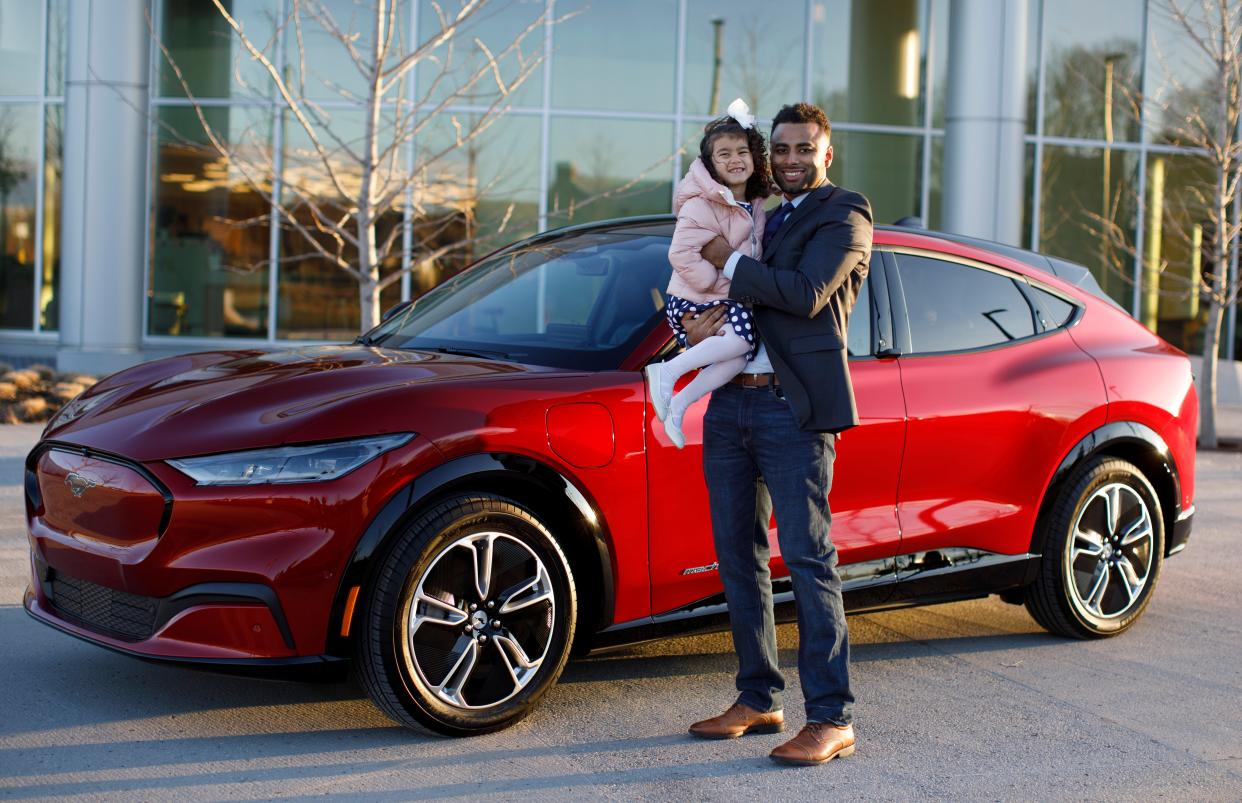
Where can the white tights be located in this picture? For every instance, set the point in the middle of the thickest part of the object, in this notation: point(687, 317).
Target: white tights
point(724, 357)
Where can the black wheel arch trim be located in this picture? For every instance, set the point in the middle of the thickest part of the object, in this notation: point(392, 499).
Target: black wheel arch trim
point(1125, 439)
point(469, 472)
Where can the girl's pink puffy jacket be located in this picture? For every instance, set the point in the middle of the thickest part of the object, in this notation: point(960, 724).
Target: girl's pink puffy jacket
point(705, 209)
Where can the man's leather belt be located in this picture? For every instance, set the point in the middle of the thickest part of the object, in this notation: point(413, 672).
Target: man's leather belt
point(756, 380)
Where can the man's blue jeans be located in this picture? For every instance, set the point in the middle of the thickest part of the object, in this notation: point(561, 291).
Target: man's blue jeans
point(751, 439)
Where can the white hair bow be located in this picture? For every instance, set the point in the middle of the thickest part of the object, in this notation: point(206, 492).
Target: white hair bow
point(739, 111)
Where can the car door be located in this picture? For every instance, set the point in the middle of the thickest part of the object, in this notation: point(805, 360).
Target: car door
point(995, 395)
point(862, 499)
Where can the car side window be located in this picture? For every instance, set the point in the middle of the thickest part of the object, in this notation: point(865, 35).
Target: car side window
point(956, 307)
point(858, 338)
point(1055, 311)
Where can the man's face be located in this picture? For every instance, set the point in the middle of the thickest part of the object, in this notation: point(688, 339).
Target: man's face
point(800, 157)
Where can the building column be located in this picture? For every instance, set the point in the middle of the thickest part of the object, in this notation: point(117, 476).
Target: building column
point(105, 154)
point(985, 120)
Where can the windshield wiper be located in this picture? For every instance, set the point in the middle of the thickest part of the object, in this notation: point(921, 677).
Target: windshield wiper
point(487, 355)
point(365, 340)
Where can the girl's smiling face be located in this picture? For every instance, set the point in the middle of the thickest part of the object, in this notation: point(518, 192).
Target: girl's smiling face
point(732, 162)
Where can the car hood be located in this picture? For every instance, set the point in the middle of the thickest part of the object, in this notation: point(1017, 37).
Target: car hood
point(228, 400)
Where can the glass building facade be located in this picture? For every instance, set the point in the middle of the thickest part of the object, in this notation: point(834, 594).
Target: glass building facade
point(603, 127)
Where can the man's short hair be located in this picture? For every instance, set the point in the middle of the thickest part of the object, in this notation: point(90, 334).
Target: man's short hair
point(801, 113)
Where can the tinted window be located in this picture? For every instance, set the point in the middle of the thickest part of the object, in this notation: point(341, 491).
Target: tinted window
point(858, 341)
point(954, 307)
point(582, 301)
point(1055, 310)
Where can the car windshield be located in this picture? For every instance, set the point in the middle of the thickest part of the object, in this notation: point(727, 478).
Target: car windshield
point(581, 301)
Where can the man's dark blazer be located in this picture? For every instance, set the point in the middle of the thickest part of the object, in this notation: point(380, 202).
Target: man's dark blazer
point(802, 295)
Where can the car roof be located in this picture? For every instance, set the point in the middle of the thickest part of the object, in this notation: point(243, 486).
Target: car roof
point(1070, 272)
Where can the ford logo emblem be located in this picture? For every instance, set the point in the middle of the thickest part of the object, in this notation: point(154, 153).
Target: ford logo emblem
point(79, 484)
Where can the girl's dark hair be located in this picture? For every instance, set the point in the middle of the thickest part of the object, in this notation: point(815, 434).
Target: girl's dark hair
point(759, 185)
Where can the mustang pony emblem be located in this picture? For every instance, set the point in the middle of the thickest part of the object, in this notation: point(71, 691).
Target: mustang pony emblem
point(79, 484)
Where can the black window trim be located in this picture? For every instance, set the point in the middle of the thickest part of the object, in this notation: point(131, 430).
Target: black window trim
point(1024, 283)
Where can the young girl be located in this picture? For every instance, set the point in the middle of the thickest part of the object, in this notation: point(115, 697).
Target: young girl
point(721, 196)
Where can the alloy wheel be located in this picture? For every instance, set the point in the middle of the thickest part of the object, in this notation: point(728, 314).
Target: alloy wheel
point(1110, 552)
point(480, 621)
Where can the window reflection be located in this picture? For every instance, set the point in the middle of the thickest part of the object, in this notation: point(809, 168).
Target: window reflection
point(209, 55)
point(19, 166)
point(1093, 72)
point(867, 60)
point(321, 67)
point(1087, 191)
point(499, 27)
point(1178, 250)
point(21, 31)
point(1179, 75)
point(608, 168)
point(209, 247)
point(615, 56)
point(887, 168)
point(57, 20)
point(761, 57)
point(49, 307)
point(483, 194)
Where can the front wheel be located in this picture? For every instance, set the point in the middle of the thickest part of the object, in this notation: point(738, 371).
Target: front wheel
point(470, 618)
point(1102, 554)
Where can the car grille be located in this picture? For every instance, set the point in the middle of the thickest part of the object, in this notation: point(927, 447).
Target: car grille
point(127, 616)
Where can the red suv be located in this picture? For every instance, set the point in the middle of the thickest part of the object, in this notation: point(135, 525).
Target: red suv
point(475, 488)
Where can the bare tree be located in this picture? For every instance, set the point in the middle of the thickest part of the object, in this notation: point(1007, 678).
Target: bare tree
point(348, 174)
point(1204, 118)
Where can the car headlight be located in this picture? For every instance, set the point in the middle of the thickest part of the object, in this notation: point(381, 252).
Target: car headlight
point(286, 464)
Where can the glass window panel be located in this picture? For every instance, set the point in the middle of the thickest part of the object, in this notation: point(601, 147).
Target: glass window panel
point(210, 227)
point(209, 55)
point(21, 31)
point(19, 173)
point(484, 193)
point(761, 57)
point(500, 27)
point(318, 299)
point(322, 67)
point(1086, 190)
point(954, 307)
point(867, 60)
point(49, 307)
point(939, 57)
point(1055, 310)
point(608, 168)
point(57, 22)
point(614, 56)
point(1178, 243)
point(1034, 33)
point(1093, 76)
point(935, 193)
point(1179, 74)
point(887, 168)
point(1028, 197)
point(858, 338)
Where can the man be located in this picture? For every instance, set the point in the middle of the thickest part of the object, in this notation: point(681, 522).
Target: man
point(769, 440)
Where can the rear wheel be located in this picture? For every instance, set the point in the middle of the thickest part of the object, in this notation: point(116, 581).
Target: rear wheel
point(470, 619)
point(1102, 554)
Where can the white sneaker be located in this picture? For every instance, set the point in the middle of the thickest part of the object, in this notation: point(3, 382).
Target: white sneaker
point(659, 400)
point(672, 428)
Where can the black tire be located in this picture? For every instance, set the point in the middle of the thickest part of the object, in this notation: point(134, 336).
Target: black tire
point(1099, 567)
point(423, 665)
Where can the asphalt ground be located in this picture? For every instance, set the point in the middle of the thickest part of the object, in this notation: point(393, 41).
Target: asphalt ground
point(968, 701)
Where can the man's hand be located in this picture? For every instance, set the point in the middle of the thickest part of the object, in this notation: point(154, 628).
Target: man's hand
point(717, 252)
point(706, 325)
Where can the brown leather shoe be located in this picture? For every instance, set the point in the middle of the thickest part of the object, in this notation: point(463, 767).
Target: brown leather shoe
point(816, 743)
point(737, 721)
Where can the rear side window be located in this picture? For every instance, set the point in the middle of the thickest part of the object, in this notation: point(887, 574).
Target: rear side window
point(955, 307)
point(1055, 311)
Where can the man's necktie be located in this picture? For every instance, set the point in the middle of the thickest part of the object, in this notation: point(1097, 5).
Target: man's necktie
point(774, 223)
